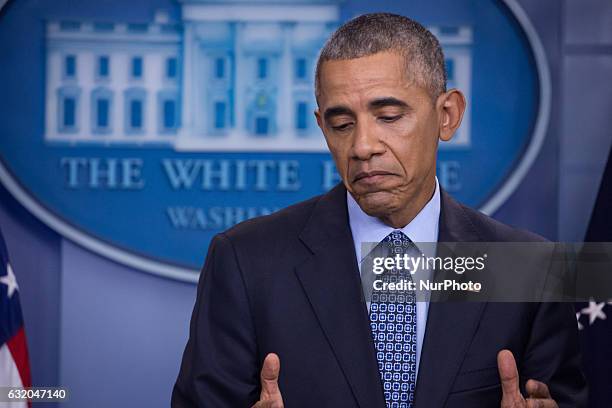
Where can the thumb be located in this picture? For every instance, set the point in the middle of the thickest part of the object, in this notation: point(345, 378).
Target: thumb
point(269, 376)
point(508, 375)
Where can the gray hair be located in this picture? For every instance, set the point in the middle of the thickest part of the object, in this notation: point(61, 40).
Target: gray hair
point(369, 34)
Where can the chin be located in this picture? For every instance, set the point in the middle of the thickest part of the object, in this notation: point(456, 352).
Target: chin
point(377, 204)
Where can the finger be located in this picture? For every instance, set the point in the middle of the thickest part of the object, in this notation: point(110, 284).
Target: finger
point(508, 375)
point(541, 403)
point(268, 404)
point(269, 375)
point(537, 389)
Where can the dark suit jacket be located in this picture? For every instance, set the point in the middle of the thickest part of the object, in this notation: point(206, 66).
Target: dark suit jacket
point(289, 283)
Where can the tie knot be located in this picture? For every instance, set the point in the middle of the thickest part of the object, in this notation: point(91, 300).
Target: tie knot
point(398, 242)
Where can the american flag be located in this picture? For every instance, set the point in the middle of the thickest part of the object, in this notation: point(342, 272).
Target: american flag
point(595, 318)
point(14, 363)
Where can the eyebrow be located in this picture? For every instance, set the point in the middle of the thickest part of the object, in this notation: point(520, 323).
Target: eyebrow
point(387, 101)
point(337, 111)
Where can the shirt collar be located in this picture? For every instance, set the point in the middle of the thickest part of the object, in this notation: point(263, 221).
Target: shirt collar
point(422, 228)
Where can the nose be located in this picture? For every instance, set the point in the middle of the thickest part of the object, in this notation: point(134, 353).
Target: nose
point(366, 142)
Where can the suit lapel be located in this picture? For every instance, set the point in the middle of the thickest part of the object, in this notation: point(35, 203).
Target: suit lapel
point(450, 325)
point(330, 278)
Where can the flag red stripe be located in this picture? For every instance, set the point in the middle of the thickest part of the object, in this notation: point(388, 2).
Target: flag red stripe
point(19, 350)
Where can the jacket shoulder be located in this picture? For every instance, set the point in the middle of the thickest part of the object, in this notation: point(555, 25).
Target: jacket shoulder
point(281, 224)
point(491, 230)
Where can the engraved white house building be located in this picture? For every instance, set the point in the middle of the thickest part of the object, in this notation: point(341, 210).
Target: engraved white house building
point(229, 76)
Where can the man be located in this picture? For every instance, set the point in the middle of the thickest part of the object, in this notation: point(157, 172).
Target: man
point(284, 290)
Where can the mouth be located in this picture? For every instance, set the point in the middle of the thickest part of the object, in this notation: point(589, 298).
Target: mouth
point(371, 177)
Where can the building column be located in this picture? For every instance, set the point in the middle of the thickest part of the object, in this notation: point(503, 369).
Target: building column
point(285, 109)
point(84, 114)
point(117, 85)
point(152, 87)
point(187, 124)
point(238, 81)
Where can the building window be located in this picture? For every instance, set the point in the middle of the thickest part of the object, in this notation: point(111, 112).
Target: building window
point(450, 69)
point(262, 68)
point(167, 111)
point(449, 30)
point(220, 113)
point(70, 66)
point(136, 114)
point(219, 68)
point(138, 27)
point(261, 125)
point(169, 108)
point(102, 109)
point(135, 110)
point(169, 28)
point(300, 68)
point(137, 67)
point(104, 27)
point(69, 112)
point(301, 115)
point(171, 68)
point(103, 67)
point(68, 109)
point(70, 26)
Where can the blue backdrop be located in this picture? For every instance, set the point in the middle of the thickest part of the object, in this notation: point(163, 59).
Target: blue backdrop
point(114, 334)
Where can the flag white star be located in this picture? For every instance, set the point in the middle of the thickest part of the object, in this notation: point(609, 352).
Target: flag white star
point(9, 280)
point(595, 311)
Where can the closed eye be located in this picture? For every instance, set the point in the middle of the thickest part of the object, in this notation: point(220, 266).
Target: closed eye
point(390, 119)
point(342, 127)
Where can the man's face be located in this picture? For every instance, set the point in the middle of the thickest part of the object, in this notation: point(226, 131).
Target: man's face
point(382, 130)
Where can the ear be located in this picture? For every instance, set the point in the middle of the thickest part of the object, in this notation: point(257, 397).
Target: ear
point(451, 107)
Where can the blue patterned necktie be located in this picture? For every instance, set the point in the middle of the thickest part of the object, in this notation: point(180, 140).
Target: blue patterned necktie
point(393, 324)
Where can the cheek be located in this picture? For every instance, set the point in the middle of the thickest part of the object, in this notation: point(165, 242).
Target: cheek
point(340, 155)
point(415, 152)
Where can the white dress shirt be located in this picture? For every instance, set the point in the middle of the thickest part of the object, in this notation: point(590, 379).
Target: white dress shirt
point(423, 228)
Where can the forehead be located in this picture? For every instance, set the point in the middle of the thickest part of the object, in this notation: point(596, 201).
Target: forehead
point(360, 79)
